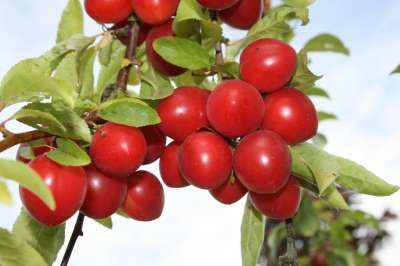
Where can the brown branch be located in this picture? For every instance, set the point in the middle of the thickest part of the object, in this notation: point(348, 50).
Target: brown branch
point(15, 139)
point(76, 233)
point(130, 55)
point(219, 56)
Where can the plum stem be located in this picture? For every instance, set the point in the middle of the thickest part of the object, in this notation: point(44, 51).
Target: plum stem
point(12, 139)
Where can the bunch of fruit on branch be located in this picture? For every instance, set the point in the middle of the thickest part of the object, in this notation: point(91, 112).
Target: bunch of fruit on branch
point(230, 141)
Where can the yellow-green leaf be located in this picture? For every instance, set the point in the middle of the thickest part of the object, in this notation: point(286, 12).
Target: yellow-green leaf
point(27, 178)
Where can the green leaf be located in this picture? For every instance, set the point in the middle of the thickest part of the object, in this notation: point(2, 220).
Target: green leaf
point(106, 222)
point(357, 178)
point(67, 71)
point(28, 81)
point(71, 21)
point(323, 116)
point(121, 213)
point(231, 68)
point(303, 78)
point(316, 91)
point(306, 221)
point(300, 3)
point(354, 217)
point(188, 15)
point(275, 238)
point(211, 33)
point(16, 252)
point(73, 126)
point(69, 153)
point(86, 76)
point(26, 152)
point(130, 112)
point(108, 73)
point(334, 198)
point(320, 140)
point(273, 25)
point(396, 70)
point(105, 54)
point(43, 119)
point(252, 234)
point(154, 86)
point(326, 43)
point(47, 241)
point(182, 52)
point(5, 194)
point(315, 165)
point(188, 10)
point(331, 195)
point(76, 42)
point(27, 178)
point(189, 79)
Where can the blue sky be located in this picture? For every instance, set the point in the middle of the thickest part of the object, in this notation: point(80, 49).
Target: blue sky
point(194, 228)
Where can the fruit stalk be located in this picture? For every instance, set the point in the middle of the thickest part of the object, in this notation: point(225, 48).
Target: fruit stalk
point(290, 258)
point(13, 139)
point(76, 233)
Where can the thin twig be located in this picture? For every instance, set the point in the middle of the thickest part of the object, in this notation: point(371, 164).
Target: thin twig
point(76, 233)
point(130, 55)
point(219, 56)
point(15, 139)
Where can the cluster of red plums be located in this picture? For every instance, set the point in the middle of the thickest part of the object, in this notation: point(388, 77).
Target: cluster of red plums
point(235, 139)
point(230, 141)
